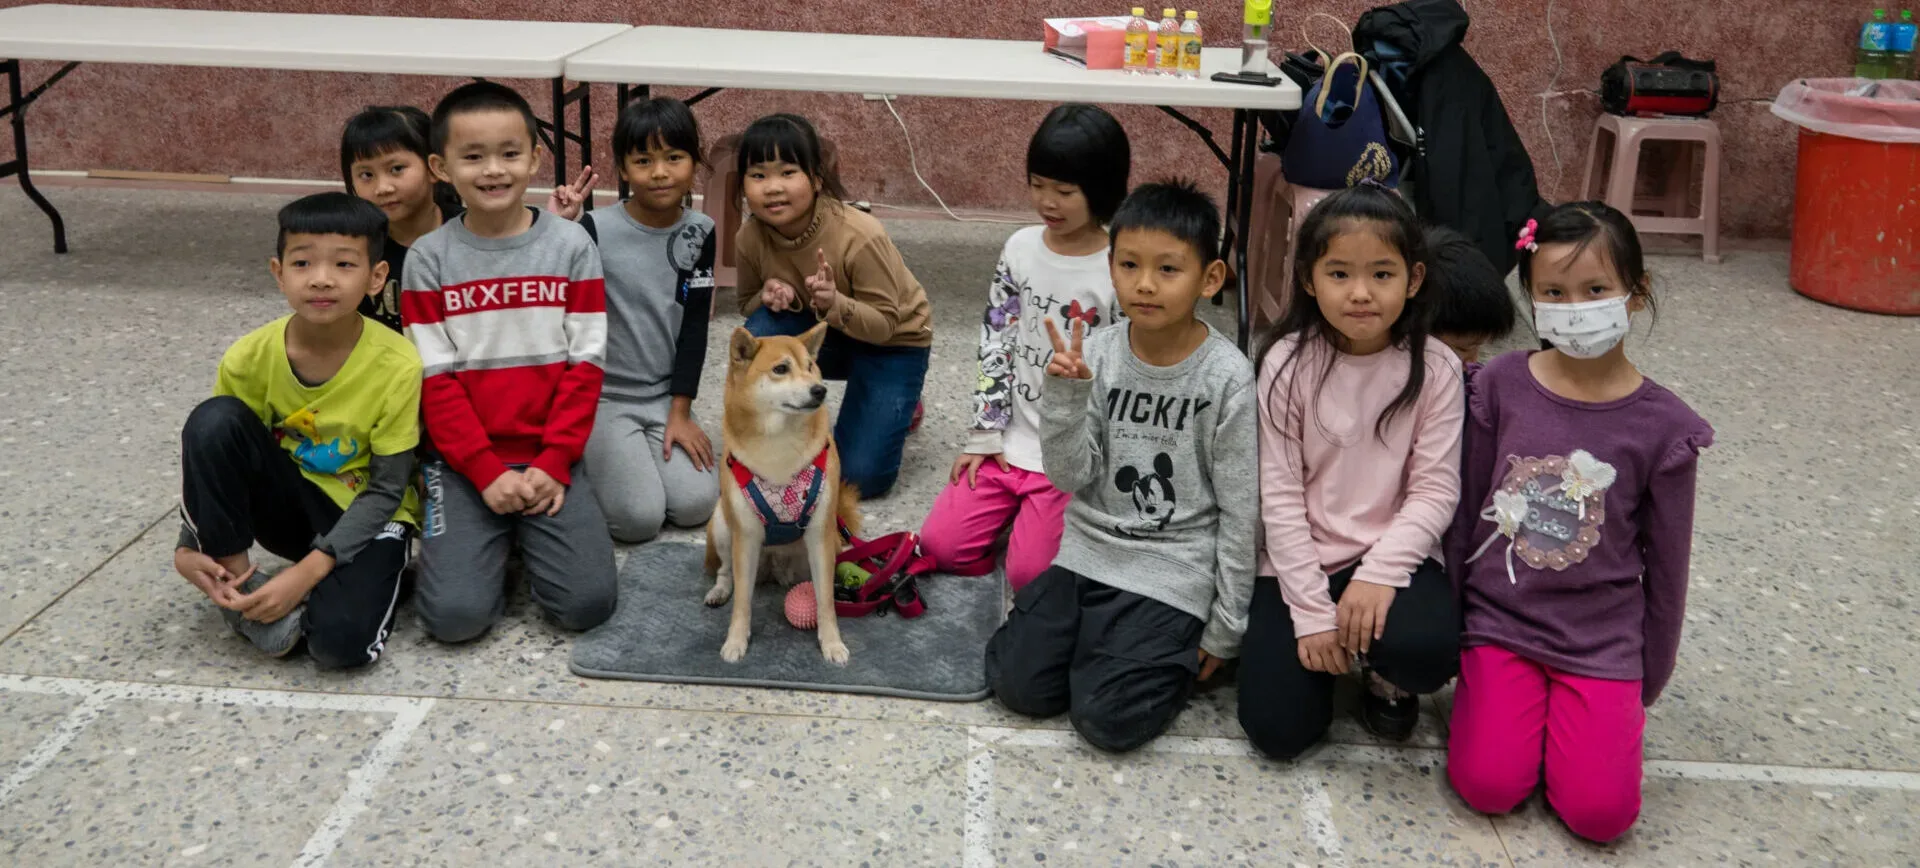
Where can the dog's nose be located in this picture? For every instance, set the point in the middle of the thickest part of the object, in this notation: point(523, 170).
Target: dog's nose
point(818, 392)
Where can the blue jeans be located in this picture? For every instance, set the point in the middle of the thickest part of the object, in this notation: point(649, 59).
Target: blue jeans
point(883, 387)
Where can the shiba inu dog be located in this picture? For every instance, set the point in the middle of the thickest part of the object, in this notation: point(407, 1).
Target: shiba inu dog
point(780, 489)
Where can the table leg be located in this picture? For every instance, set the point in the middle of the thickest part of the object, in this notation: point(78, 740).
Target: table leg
point(586, 137)
point(17, 107)
point(556, 135)
point(623, 94)
point(1246, 150)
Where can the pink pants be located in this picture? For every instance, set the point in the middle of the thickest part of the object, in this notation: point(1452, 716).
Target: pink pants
point(1511, 716)
point(965, 522)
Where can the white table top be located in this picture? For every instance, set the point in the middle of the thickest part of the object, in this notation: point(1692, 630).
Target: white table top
point(320, 43)
point(902, 65)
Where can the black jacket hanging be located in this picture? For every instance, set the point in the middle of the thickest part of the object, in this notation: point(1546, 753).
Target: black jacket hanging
point(1472, 172)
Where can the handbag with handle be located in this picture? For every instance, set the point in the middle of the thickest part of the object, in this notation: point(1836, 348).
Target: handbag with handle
point(1340, 137)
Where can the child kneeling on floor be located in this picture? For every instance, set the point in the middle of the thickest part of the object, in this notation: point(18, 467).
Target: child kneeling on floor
point(1077, 167)
point(1572, 544)
point(651, 463)
point(1150, 425)
point(807, 257)
point(1360, 420)
point(306, 448)
point(507, 306)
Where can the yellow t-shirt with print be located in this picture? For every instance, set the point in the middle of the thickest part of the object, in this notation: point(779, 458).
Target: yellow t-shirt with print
point(331, 431)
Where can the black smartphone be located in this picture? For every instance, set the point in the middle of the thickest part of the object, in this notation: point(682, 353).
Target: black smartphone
point(1247, 78)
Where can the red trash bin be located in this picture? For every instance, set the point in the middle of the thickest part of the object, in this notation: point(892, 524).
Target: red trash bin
point(1856, 204)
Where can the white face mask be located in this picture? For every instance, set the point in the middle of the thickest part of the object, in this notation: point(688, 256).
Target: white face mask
point(1587, 330)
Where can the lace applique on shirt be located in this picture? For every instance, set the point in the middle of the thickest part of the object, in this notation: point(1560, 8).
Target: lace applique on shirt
point(1550, 509)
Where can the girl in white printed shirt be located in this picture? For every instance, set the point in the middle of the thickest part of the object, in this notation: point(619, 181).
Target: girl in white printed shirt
point(1077, 164)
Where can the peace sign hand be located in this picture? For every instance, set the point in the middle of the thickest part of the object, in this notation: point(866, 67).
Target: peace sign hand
point(568, 200)
point(821, 287)
point(1067, 361)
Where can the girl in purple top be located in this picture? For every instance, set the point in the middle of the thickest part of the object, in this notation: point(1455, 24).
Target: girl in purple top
point(1570, 548)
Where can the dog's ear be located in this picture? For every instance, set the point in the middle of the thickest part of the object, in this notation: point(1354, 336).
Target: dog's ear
point(814, 338)
point(1126, 478)
point(743, 346)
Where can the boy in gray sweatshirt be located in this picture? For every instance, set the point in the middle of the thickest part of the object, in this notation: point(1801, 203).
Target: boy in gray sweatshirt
point(1150, 426)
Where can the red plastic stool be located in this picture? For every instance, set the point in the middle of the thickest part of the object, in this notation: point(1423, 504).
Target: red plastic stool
point(1669, 211)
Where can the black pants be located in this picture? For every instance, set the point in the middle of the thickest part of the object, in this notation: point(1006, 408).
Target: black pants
point(240, 488)
point(1286, 708)
point(1119, 664)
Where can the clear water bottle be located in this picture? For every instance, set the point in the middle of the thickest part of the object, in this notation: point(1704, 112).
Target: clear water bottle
point(1900, 50)
point(1258, 18)
point(1167, 47)
point(1139, 35)
point(1872, 59)
point(1190, 42)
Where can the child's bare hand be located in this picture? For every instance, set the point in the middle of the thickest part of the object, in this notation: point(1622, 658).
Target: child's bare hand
point(272, 601)
point(778, 295)
point(1321, 652)
point(821, 288)
point(548, 495)
point(687, 434)
point(1067, 361)
point(968, 465)
point(1209, 664)
point(1363, 615)
point(209, 576)
point(568, 200)
point(508, 493)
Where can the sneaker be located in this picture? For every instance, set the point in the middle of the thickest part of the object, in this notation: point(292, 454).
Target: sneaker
point(919, 412)
point(1387, 711)
point(276, 639)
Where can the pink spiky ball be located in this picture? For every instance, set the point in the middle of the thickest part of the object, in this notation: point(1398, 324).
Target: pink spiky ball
point(802, 612)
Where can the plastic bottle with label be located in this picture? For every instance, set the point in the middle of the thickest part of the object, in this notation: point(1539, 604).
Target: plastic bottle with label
point(1139, 36)
point(1871, 59)
point(1190, 43)
point(1166, 57)
point(1900, 63)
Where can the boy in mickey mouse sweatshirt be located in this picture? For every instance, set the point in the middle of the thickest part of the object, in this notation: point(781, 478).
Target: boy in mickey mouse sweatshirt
point(1150, 426)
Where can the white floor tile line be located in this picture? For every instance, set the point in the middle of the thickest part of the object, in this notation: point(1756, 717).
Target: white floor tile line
point(184, 693)
point(977, 836)
point(363, 782)
point(1429, 757)
point(63, 734)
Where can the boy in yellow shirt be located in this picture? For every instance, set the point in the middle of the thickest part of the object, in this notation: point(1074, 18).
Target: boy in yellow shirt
point(306, 448)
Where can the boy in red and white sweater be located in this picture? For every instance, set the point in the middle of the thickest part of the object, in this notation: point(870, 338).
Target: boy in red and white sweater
point(509, 312)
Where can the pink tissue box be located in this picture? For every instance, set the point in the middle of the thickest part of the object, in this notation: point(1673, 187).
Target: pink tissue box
point(1100, 43)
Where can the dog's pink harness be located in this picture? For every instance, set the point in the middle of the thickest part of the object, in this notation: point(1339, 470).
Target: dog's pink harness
point(783, 509)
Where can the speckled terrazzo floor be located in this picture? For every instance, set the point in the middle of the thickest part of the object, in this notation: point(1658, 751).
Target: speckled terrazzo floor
point(134, 730)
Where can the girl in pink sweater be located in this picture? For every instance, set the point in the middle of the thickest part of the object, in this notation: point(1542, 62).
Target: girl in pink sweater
point(1360, 420)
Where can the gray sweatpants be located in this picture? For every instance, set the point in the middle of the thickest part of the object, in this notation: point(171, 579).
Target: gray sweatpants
point(463, 558)
point(639, 491)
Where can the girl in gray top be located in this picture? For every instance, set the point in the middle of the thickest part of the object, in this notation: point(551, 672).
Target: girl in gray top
point(650, 462)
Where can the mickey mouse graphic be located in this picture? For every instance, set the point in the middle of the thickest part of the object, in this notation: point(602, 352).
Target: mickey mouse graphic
point(1153, 495)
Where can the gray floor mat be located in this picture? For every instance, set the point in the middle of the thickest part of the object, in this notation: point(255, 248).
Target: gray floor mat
point(663, 631)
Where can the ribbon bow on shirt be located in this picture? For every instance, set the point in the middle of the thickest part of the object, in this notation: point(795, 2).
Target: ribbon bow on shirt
point(1509, 509)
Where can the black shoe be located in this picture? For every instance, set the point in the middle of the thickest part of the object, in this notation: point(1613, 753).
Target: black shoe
point(1391, 719)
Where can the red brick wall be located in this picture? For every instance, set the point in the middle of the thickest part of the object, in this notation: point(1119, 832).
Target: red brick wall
point(286, 125)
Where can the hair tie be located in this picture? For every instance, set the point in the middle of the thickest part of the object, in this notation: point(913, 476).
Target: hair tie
point(1527, 241)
